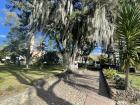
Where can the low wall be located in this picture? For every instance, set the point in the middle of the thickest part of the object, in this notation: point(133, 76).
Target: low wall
point(122, 97)
point(106, 84)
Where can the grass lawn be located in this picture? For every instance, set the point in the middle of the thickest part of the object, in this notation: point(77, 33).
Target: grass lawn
point(138, 67)
point(134, 78)
point(15, 79)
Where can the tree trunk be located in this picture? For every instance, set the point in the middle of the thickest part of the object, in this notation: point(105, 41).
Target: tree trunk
point(27, 66)
point(69, 62)
point(27, 61)
point(29, 46)
point(28, 57)
point(126, 79)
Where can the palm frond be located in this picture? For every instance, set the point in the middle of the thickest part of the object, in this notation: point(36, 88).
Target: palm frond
point(128, 32)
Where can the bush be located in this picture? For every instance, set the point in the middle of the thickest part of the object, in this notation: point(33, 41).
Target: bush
point(109, 73)
point(103, 59)
point(51, 58)
point(120, 82)
point(82, 65)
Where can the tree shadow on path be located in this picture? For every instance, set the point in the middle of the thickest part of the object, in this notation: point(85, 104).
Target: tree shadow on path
point(50, 97)
point(82, 82)
point(47, 95)
point(94, 83)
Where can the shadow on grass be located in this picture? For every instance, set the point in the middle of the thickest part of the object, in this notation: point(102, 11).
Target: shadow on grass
point(47, 95)
point(22, 78)
point(10, 68)
point(48, 67)
point(4, 68)
point(33, 69)
point(134, 74)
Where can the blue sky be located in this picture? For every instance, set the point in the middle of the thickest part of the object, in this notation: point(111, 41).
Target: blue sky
point(3, 29)
point(96, 51)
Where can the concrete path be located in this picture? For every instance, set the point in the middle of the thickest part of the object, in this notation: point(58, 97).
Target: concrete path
point(95, 99)
point(91, 82)
point(77, 89)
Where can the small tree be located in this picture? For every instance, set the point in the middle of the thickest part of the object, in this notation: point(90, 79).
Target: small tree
point(128, 32)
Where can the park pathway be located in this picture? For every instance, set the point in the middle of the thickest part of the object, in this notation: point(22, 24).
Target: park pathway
point(84, 88)
point(92, 83)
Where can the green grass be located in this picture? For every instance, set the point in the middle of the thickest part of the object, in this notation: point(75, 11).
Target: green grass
point(138, 67)
point(14, 78)
point(134, 78)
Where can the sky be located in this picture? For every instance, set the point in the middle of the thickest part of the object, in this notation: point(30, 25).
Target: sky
point(96, 51)
point(5, 29)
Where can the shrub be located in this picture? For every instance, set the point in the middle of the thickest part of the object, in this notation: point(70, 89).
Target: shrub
point(120, 82)
point(51, 58)
point(109, 73)
point(117, 77)
point(103, 59)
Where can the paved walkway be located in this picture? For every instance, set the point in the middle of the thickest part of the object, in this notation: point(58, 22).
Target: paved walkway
point(95, 99)
point(77, 89)
point(91, 82)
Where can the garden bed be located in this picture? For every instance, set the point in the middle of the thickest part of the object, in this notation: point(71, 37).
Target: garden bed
point(122, 97)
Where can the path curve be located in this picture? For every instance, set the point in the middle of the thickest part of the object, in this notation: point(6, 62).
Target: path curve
point(78, 89)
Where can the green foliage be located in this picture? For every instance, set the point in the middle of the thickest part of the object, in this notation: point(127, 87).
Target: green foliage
point(81, 65)
point(120, 82)
point(134, 79)
point(128, 33)
point(4, 52)
point(103, 59)
point(51, 58)
point(90, 60)
point(15, 43)
point(109, 73)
